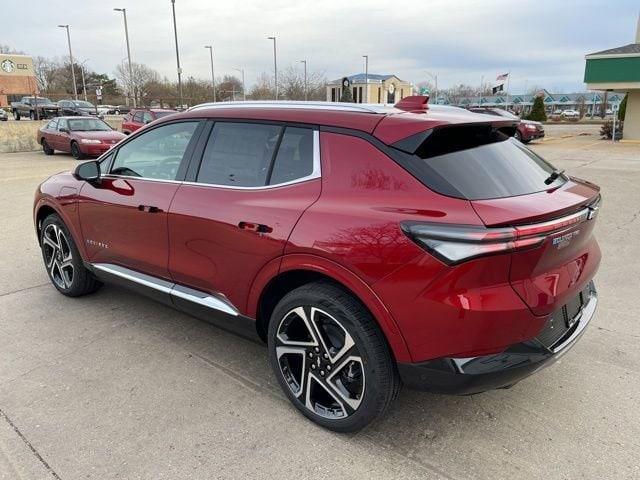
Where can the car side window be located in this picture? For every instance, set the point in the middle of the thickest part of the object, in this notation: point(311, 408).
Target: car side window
point(146, 117)
point(295, 156)
point(239, 154)
point(62, 123)
point(155, 154)
point(137, 117)
point(52, 125)
point(105, 163)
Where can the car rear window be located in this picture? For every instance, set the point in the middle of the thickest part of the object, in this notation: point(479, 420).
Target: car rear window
point(477, 163)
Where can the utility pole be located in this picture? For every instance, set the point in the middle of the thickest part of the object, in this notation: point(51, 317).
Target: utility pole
point(73, 71)
point(244, 91)
point(175, 34)
point(213, 77)
point(305, 78)
point(84, 85)
point(366, 79)
point(275, 64)
point(126, 36)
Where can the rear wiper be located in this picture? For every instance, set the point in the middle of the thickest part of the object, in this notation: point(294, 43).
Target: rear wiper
point(553, 177)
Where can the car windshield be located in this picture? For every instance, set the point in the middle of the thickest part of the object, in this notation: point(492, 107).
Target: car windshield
point(88, 125)
point(80, 103)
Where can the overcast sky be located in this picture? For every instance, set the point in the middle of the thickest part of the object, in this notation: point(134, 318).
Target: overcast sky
point(542, 42)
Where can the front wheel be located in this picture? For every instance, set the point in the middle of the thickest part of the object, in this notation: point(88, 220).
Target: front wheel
point(518, 136)
point(32, 116)
point(62, 259)
point(46, 148)
point(75, 151)
point(330, 357)
point(16, 115)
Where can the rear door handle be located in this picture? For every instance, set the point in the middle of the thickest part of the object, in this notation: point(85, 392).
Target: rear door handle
point(255, 227)
point(149, 209)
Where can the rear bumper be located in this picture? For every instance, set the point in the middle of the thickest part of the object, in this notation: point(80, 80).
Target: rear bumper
point(466, 376)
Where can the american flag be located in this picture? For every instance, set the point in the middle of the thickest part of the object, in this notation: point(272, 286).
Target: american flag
point(502, 77)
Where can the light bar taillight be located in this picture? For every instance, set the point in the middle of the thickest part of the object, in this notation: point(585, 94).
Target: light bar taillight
point(454, 244)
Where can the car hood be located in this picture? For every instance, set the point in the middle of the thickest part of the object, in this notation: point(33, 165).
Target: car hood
point(106, 135)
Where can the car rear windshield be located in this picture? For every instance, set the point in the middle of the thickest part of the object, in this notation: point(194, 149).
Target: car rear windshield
point(479, 162)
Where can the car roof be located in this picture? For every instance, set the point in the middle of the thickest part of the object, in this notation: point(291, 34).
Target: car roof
point(78, 117)
point(386, 122)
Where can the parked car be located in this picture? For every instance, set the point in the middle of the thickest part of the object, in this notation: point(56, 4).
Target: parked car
point(3, 115)
point(77, 107)
point(81, 136)
point(573, 114)
point(138, 118)
point(34, 107)
point(527, 130)
point(119, 109)
point(367, 246)
point(105, 109)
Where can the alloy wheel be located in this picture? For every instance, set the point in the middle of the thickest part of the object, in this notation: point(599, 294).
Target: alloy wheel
point(58, 257)
point(320, 362)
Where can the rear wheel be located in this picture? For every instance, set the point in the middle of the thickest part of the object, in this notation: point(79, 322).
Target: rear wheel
point(32, 115)
point(46, 148)
point(518, 136)
point(63, 261)
point(75, 151)
point(16, 115)
point(330, 357)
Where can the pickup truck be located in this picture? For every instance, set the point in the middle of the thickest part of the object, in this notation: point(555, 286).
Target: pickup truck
point(27, 108)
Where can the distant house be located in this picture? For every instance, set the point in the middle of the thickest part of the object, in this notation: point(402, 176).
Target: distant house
point(586, 102)
point(371, 88)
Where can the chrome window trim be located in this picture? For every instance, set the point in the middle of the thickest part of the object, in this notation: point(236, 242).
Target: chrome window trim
point(316, 173)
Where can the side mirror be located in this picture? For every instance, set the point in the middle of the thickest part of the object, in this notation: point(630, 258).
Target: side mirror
point(88, 171)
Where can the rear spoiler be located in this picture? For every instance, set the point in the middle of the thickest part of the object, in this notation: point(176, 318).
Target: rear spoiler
point(412, 143)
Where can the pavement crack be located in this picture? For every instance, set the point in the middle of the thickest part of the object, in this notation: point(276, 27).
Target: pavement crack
point(634, 217)
point(29, 445)
point(23, 289)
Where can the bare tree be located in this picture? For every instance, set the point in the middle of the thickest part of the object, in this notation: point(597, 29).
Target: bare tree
point(10, 50)
point(136, 85)
point(291, 84)
point(263, 88)
point(229, 88)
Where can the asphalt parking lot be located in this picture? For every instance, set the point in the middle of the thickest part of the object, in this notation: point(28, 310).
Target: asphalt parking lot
point(116, 386)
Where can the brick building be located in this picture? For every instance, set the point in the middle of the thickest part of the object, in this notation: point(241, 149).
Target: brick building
point(17, 77)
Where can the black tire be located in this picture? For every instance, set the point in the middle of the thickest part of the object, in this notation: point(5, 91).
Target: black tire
point(75, 151)
point(16, 115)
point(517, 136)
point(46, 148)
point(32, 116)
point(375, 375)
point(64, 265)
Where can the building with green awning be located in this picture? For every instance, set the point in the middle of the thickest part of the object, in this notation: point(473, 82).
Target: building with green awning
point(619, 69)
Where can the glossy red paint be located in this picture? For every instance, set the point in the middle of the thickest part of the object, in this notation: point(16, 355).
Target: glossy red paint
point(62, 140)
point(345, 226)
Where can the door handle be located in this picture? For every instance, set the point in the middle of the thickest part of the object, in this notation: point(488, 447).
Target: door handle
point(149, 209)
point(255, 227)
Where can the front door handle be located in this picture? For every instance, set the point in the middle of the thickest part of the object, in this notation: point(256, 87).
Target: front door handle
point(149, 209)
point(255, 227)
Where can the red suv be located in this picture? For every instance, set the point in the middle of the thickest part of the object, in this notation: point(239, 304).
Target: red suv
point(367, 246)
point(136, 119)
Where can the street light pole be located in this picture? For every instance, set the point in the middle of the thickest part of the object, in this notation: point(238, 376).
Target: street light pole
point(175, 34)
point(305, 79)
point(244, 91)
point(84, 85)
point(73, 70)
point(275, 64)
point(126, 36)
point(213, 78)
point(366, 78)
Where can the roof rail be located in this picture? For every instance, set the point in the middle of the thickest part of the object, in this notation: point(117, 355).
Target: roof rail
point(342, 107)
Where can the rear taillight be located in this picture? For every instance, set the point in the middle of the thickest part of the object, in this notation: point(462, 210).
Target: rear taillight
point(454, 244)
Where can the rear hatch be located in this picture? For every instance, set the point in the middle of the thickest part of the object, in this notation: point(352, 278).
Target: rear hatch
point(544, 217)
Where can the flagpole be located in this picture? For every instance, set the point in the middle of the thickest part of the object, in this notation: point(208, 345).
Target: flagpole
point(508, 79)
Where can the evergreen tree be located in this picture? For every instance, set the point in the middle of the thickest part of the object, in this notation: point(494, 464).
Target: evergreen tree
point(346, 95)
point(537, 111)
point(622, 110)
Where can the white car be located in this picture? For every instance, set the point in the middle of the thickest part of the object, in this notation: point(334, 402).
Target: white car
point(570, 114)
point(104, 109)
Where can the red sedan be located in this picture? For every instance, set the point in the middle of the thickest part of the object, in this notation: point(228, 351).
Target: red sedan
point(136, 119)
point(81, 136)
